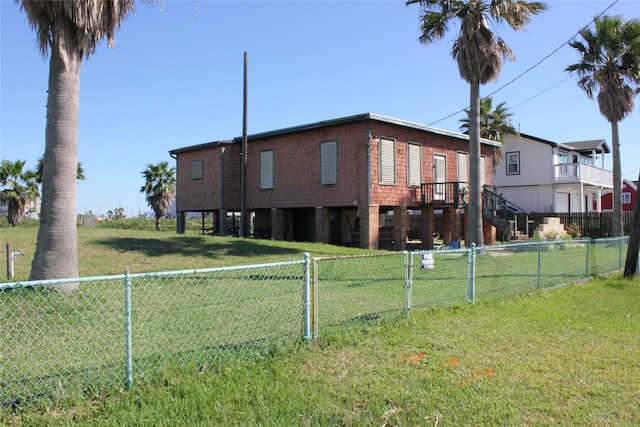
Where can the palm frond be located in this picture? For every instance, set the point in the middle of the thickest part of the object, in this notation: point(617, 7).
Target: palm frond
point(609, 64)
point(82, 24)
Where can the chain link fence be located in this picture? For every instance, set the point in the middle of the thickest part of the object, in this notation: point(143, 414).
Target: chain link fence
point(350, 290)
point(117, 331)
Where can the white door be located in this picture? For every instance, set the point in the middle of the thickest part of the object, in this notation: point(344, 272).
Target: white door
point(563, 202)
point(439, 175)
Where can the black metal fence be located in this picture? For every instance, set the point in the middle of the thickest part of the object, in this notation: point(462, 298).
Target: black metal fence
point(596, 225)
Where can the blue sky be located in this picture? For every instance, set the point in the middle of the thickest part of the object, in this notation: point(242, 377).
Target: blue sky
point(175, 78)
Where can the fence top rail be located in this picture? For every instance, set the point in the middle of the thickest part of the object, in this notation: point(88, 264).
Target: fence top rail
point(7, 286)
point(379, 255)
point(584, 240)
point(213, 269)
point(52, 282)
point(442, 250)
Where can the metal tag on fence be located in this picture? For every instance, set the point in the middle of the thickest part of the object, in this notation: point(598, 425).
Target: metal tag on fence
point(427, 261)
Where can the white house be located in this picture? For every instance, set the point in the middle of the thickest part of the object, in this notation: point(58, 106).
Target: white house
point(544, 176)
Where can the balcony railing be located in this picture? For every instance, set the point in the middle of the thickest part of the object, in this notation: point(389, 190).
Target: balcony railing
point(586, 174)
point(454, 194)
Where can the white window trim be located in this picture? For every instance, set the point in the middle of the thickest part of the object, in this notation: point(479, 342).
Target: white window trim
point(508, 163)
point(329, 162)
point(414, 157)
point(387, 161)
point(267, 169)
point(197, 171)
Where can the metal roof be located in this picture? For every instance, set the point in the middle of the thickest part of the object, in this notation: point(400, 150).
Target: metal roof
point(599, 145)
point(337, 122)
point(200, 146)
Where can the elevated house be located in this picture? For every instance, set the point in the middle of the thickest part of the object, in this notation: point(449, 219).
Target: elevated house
point(539, 175)
point(367, 180)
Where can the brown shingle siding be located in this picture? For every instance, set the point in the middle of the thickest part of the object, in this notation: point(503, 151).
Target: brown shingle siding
point(297, 185)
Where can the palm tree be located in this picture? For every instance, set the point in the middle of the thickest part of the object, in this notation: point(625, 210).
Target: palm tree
point(19, 186)
point(159, 188)
point(70, 31)
point(40, 171)
point(610, 64)
point(495, 124)
point(479, 54)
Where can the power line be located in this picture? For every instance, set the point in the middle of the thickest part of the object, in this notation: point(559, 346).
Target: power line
point(543, 92)
point(532, 67)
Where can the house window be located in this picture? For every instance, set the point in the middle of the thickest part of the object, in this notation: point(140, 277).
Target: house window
point(387, 153)
point(586, 160)
point(414, 165)
point(266, 169)
point(563, 157)
point(463, 167)
point(439, 175)
point(626, 198)
point(513, 163)
point(329, 163)
point(196, 169)
point(483, 171)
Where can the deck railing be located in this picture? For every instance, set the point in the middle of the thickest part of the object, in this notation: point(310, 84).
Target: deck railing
point(579, 172)
point(454, 194)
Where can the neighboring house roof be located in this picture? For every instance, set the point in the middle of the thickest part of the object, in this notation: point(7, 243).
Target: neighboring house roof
point(341, 121)
point(583, 147)
point(631, 184)
point(598, 145)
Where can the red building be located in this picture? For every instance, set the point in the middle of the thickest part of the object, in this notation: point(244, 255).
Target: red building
point(629, 193)
point(364, 180)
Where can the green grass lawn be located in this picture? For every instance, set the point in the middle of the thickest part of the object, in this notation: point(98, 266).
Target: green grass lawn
point(570, 356)
point(106, 251)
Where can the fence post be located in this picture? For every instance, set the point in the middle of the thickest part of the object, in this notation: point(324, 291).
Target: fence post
point(127, 320)
point(620, 265)
point(539, 261)
point(314, 296)
point(306, 321)
point(408, 282)
point(588, 259)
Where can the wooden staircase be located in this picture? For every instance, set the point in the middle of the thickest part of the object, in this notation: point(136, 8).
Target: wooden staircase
point(511, 221)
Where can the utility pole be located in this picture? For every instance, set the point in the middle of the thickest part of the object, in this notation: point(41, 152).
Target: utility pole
point(243, 232)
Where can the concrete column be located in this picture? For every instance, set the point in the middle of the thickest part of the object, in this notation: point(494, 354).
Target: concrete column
point(426, 228)
point(369, 227)
point(400, 227)
point(276, 224)
point(488, 233)
point(223, 224)
point(181, 219)
point(448, 223)
point(322, 224)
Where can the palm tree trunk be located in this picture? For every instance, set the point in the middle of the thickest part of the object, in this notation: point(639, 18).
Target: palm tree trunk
point(618, 226)
point(56, 253)
point(631, 263)
point(15, 212)
point(474, 222)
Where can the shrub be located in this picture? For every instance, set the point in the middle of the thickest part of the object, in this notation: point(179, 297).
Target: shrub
point(549, 235)
point(574, 231)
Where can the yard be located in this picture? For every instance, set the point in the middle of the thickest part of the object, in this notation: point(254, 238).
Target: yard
point(544, 357)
